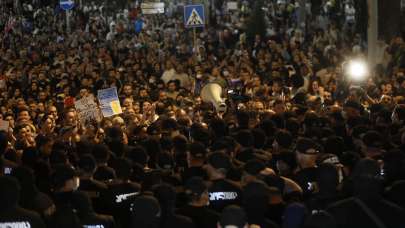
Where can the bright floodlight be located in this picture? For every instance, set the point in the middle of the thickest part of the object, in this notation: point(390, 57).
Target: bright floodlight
point(357, 70)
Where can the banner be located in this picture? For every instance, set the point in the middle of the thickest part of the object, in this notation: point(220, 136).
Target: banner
point(109, 102)
point(153, 7)
point(87, 109)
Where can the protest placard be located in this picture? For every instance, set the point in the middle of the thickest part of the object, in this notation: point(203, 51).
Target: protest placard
point(87, 109)
point(109, 102)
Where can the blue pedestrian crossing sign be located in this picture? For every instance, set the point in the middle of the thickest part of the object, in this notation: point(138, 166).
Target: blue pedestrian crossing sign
point(66, 4)
point(194, 16)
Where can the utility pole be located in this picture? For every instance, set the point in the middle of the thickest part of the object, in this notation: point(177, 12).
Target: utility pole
point(372, 32)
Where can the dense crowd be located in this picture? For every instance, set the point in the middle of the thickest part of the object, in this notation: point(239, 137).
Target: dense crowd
point(300, 145)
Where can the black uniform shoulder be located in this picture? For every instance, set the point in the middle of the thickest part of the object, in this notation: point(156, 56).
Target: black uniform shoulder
point(178, 221)
point(20, 217)
point(104, 173)
point(99, 220)
point(19, 212)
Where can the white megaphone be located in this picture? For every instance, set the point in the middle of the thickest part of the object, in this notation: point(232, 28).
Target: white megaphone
point(211, 93)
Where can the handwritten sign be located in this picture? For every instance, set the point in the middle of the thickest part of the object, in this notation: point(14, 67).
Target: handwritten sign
point(109, 102)
point(87, 109)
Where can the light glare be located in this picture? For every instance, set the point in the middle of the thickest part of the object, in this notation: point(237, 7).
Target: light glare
point(357, 70)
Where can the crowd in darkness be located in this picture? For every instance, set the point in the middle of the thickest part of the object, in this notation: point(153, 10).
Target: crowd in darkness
point(300, 145)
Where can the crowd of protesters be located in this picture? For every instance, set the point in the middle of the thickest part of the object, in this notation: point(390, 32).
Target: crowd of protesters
point(299, 146)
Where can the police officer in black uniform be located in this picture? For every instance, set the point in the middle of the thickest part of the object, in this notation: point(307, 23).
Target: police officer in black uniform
point(120, 193)
point(92, 187)
point(11, 215)
point(222, 192)
point(86, 214)
point(198, 200)
point(306, 153)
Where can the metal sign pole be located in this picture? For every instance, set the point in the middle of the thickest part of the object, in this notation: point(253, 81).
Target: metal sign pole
point(68, 21)
point(67, 6)
point(193, 18)
point(195, 40)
